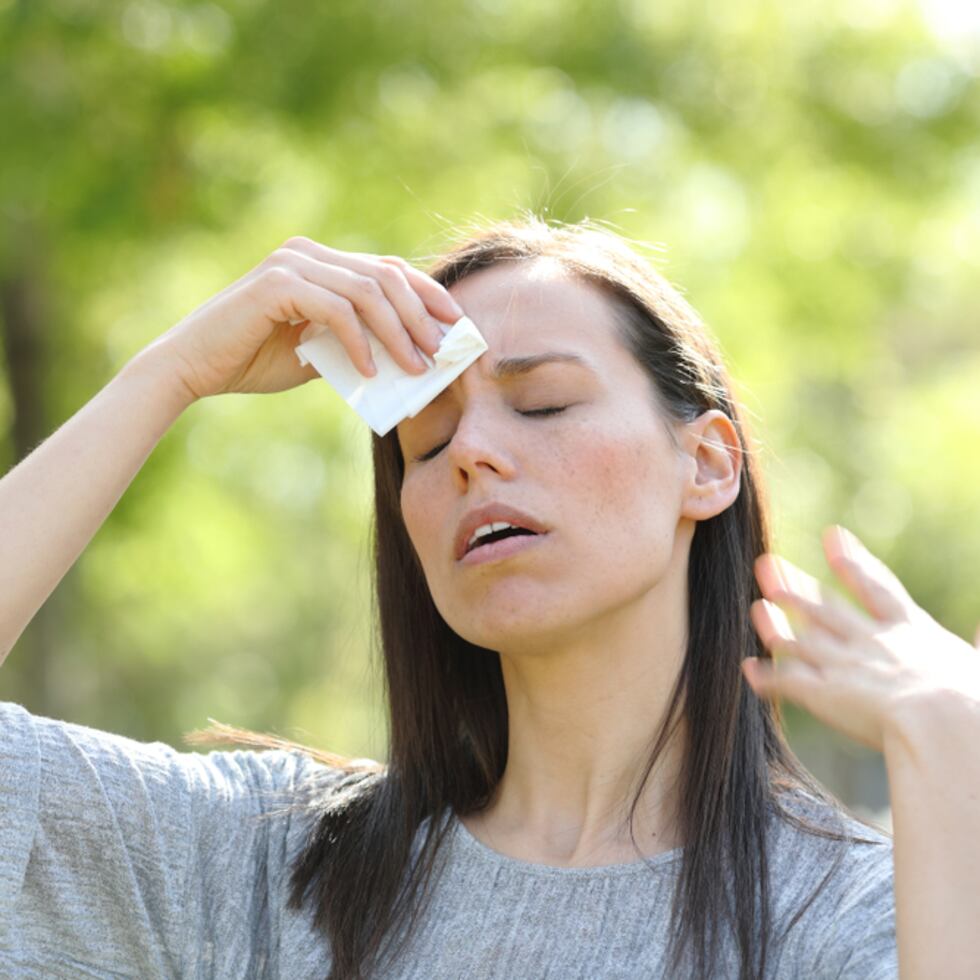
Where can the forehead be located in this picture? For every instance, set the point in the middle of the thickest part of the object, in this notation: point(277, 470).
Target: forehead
point(513, 303)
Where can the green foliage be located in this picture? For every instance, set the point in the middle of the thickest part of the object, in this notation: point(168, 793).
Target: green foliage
point(812, 169)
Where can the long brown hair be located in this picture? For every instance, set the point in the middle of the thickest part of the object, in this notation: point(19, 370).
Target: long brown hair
point(364, 871)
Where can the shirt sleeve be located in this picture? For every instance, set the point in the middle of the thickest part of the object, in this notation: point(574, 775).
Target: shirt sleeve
point(127, 859)
point(859, 940)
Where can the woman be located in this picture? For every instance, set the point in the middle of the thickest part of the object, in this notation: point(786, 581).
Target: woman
point(579, 781)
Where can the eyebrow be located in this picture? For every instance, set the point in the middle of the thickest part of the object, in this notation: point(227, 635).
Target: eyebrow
point(512, 367)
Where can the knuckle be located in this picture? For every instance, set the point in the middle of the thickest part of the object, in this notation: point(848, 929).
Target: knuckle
point(281, 257)
point(367, 287)
point(297, 243)
point(276, 276)
point(390, 274)
point(345, 309)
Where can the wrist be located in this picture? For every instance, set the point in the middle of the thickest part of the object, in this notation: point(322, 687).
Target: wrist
point(937, 721)
point(164, 384)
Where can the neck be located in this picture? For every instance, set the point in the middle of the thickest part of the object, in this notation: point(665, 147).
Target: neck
point(583, 717)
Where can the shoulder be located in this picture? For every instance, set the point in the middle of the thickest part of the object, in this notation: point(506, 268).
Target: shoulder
point(32, 742)
point(815, 840)
point(58, 772)
point(832, 883)
point(131, 852)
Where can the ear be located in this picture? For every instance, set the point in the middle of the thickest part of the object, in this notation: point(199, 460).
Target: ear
point(714, 465)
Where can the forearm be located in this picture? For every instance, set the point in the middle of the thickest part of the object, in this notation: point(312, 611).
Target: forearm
point(933, 764)
point(54, 500)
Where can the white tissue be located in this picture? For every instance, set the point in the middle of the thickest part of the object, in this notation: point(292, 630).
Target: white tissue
point(393, 394)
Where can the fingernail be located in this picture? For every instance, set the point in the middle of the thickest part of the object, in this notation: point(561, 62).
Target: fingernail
point(798, 582)
point(849, 542)
point(782, 570)
point(372, 368)
point(439, 330)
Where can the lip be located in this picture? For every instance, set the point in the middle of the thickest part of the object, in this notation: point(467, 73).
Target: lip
point(487, 514)
point(504, 548)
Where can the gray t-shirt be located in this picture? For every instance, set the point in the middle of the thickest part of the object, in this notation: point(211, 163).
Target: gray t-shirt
point(125, 859)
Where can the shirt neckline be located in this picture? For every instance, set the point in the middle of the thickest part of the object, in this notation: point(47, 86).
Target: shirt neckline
point(477, 848)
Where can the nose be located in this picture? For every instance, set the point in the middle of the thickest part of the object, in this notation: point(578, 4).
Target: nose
point(481, 448)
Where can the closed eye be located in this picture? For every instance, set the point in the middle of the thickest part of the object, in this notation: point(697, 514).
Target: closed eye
point(537, 412)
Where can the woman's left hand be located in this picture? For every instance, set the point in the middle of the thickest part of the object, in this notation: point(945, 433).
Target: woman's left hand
point(860, 672)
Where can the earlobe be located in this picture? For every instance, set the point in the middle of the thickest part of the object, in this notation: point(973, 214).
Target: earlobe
point(715, 468)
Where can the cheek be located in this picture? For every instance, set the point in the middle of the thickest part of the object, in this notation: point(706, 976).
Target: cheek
point(420, 512)
point(412, 514)
point(623, 486)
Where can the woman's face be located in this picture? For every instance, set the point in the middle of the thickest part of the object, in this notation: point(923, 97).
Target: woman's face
point(601, 477)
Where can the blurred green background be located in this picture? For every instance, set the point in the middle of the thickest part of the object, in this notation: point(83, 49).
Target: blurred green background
point(807, 173)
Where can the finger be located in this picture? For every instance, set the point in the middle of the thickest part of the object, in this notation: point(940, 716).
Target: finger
point(835, 620)
point(411, 313)
point(423, 326)
point(368, 297)
point(437, 298)
point(790, 679)
point(776, 574)
point(777, 634)
point(421, 302)
point(295, 298)
point(874, 584)
point(810, 625)
point(778, 577)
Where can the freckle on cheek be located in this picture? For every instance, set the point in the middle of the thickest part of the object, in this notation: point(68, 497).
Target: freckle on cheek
point(608, 461)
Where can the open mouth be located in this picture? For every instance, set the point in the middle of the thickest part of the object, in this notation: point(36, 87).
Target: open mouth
point(495, 528)
point(500, 545)
point(507, 532)
point(490, 538)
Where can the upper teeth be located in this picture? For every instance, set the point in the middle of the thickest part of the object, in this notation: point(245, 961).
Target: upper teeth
point(488, 529)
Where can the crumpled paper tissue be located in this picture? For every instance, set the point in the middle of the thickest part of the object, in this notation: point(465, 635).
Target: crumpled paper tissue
point(392, 394)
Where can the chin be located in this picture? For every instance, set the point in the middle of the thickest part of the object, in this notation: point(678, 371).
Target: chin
point(510, 625)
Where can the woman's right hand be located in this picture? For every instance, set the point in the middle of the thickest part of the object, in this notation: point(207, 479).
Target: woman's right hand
point(242, 340)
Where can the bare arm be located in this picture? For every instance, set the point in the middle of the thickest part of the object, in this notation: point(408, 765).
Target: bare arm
point(894, 679)
point(934, 780)
point(241, 340)
point(53, 502)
